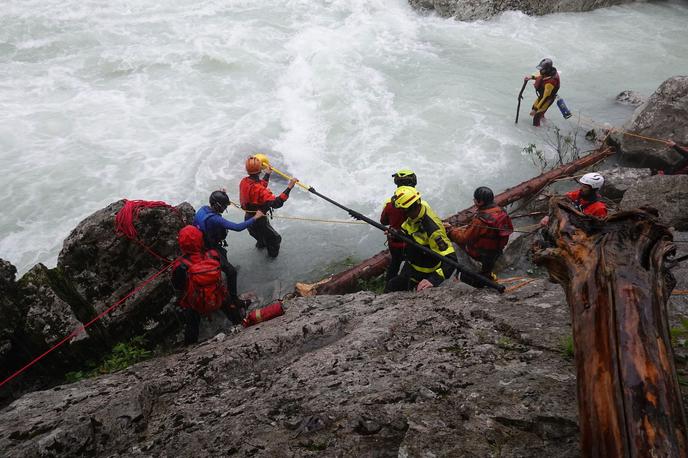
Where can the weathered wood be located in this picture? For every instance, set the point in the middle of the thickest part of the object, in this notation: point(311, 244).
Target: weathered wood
point(617, 286)
point(346, 281)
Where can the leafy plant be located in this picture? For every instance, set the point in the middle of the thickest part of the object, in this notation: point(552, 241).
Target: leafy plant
point(566, 347)
point(563, 149)
point(679, 334)
point(123, 355)
point(375, 284)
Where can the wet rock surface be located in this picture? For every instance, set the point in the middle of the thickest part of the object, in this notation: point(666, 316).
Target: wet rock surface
point(471, 10)
point(667, 193)
point(95, 269)
point(618, 180)
point(630, 98)
point(664, 116)
point(448, 372)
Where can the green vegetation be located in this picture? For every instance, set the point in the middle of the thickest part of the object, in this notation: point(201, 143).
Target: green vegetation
point(564, 147)
point(679, 334)
point(123, 355)
point(376, 284)
point(566, 347)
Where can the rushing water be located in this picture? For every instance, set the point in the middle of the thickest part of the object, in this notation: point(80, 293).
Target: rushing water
point(163, 101)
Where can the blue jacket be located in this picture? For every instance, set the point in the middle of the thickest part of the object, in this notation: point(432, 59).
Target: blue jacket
point(214, 226)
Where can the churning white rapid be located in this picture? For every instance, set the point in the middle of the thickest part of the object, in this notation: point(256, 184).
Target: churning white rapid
point(163, 100)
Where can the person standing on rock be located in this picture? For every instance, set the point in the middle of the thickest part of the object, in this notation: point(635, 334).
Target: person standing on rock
point(394, 217)
point(215, 228)
point(546, 85)
point(256, 197)
point(198, 281)
point(421, 270)
point(485, 237)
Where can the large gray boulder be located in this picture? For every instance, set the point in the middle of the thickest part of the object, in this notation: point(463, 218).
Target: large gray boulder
point(471, 10)
point(664, 116)
point(103, 267)
point(618, 180)
point(447, 372)
point(667, 193)
point(95, 269)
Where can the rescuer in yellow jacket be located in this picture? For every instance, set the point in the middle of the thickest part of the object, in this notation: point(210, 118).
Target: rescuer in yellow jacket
point(546, 85)
point(421, 270)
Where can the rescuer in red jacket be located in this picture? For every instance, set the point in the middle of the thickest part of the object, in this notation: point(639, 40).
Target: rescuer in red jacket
point(485, 237)
point(394, 217)
point(255, 196)
point(587, 199)
point(546, 85)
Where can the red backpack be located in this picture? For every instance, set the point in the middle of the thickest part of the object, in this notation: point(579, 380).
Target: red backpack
point(205, 289)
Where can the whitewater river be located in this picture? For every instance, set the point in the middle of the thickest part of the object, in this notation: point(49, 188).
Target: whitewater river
point(163, 100)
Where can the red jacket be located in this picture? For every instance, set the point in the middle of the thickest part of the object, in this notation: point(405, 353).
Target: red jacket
point(255, 195)
point(488, 232)
point(394, 218)
point(589, 207)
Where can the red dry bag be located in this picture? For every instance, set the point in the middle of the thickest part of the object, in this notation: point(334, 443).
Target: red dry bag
point(264, 314)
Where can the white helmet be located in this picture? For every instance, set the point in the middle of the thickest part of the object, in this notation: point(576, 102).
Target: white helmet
point(594, 180)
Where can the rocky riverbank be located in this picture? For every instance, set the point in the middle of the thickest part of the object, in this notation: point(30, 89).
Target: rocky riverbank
point(451, 371)
point(471, 10)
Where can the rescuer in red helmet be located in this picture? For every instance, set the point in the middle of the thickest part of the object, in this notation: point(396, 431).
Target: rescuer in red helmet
point(255, 196)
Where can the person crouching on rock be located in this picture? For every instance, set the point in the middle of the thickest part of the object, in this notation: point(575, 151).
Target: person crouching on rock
point(215, 228)
point(256, 197)
point(587, 198)
point(421, 270)
point(393, 217)
point(486, 235)
point(197, 278)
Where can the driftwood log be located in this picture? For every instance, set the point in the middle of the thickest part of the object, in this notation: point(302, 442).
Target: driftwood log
point(345, 282)
point(617, 286)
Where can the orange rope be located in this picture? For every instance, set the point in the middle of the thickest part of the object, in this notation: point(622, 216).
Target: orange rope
point(519, 286)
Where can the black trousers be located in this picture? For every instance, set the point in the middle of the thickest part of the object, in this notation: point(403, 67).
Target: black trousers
point(407, 279)
point(397, 255)
point(192, 321)
point(229, 270)
point(266, 236)
point(487, 262)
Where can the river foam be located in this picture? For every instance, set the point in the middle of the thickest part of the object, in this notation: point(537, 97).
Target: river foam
point(164, 100)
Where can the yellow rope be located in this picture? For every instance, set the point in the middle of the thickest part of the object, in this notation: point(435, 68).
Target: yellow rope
point(621, 131)
point(300, 218)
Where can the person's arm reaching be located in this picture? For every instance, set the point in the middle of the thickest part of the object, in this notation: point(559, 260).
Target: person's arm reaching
point(238, 227)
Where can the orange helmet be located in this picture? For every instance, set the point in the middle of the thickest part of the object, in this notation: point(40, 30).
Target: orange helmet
point(253, 165)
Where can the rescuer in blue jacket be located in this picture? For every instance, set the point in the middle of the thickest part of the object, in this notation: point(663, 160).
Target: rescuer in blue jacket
point(215, 228)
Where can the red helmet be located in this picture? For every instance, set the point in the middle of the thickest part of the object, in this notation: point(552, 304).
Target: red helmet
point(253, 165)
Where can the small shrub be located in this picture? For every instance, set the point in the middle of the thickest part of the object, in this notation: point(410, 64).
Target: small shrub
point(123, 355)
point(376, 284)
point(566, 347)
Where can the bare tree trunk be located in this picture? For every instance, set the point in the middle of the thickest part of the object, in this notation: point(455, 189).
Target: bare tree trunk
point(617, 287)
point(345, 281)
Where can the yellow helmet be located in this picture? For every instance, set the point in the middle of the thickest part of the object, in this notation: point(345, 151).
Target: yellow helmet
point(262, 158)
point(405, 196)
